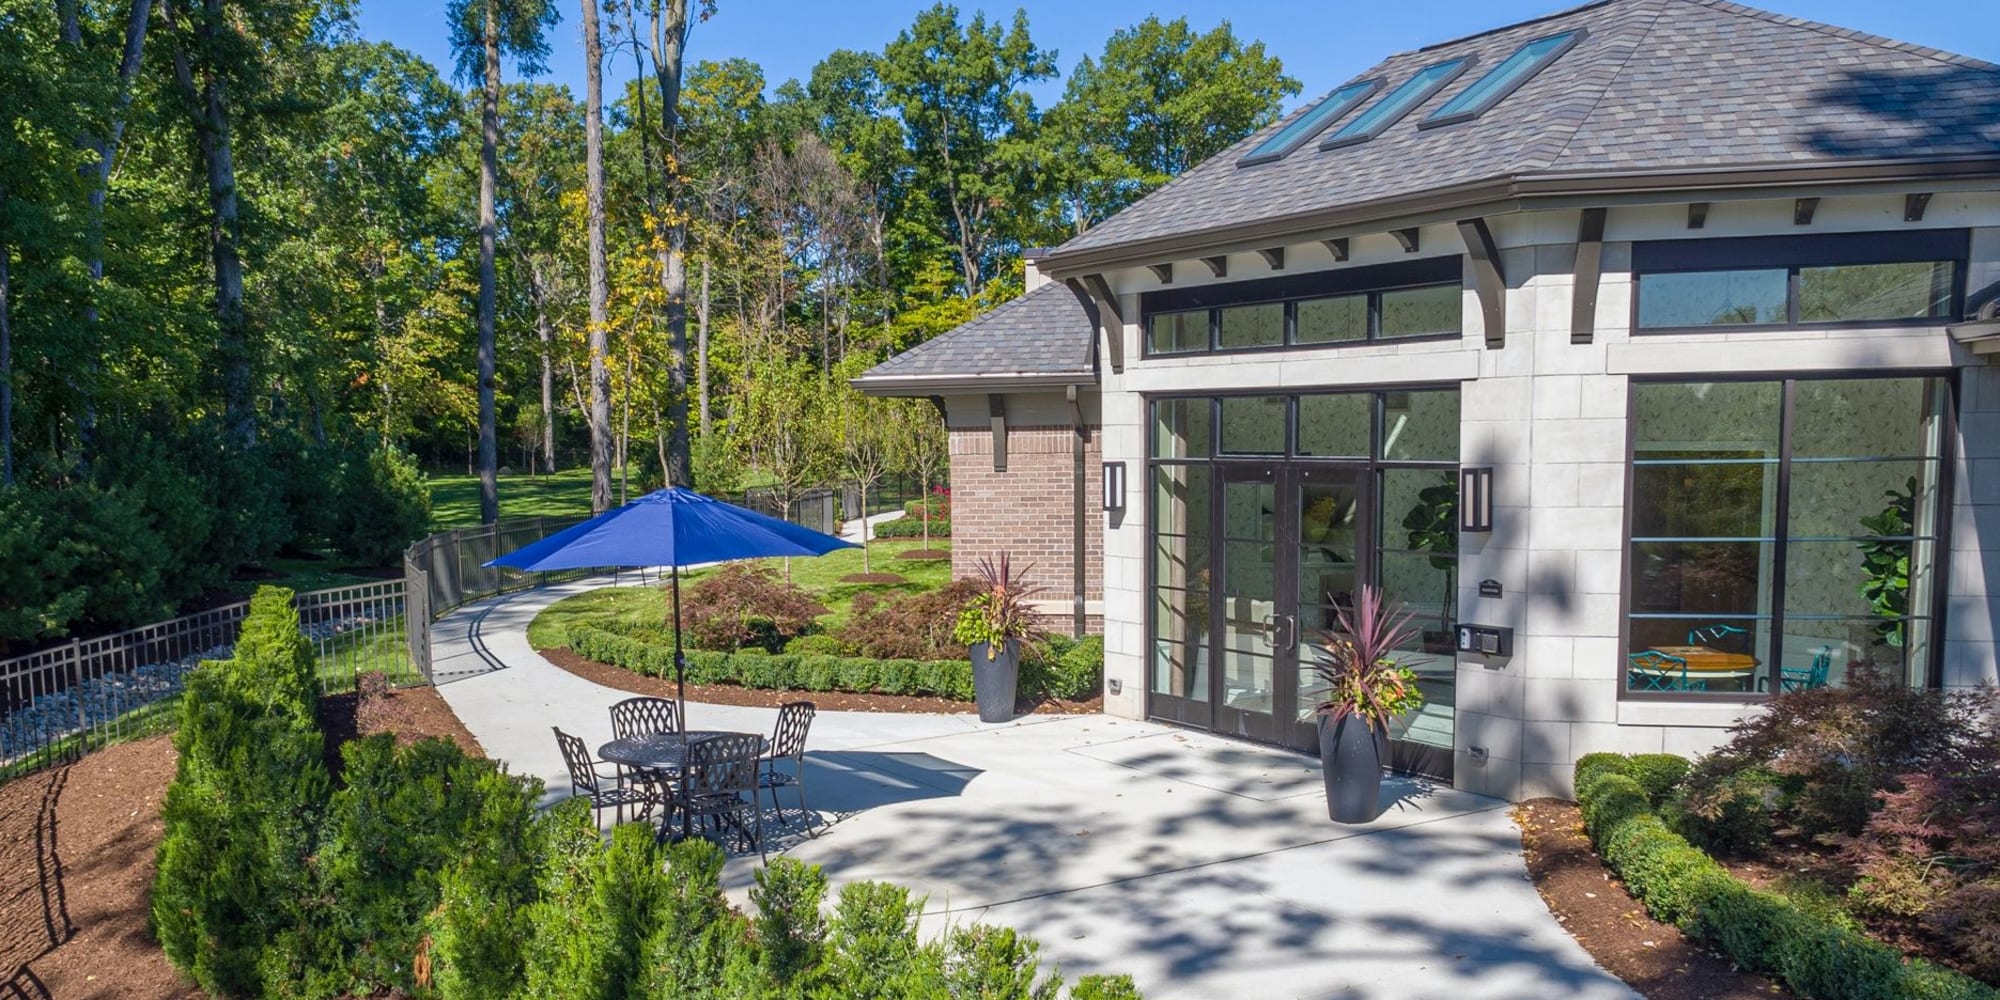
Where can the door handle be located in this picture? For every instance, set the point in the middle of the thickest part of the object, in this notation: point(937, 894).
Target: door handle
point(1286, 625)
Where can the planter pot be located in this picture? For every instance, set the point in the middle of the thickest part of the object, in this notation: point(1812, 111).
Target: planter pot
point(1351, 757)
point(996, 676)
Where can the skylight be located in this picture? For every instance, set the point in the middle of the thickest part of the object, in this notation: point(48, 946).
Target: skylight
point(1310, 124)
point(1504, 79)
point(1401, 101)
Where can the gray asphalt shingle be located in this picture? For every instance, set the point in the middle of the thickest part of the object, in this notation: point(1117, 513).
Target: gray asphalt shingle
point(1045, 332)
point(1655, 85)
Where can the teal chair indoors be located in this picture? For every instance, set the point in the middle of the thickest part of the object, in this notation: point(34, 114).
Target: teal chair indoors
point(1709, 635)
point(1653, 670)
point(1808, 678)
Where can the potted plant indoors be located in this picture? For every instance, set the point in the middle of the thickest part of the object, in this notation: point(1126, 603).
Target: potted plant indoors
point(993, 627)
point(1367, 688)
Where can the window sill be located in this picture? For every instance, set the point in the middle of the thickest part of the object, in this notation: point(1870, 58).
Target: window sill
point(1718, 714)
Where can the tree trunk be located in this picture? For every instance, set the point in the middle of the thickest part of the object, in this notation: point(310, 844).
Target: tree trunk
point(866, 566)
point(537, 290)
point(600, 287)
point(489, 170)
point(625, 438)
point(210, 111)
point(660, 434)
point(701, 349)
point(670, 30)
point(6, 361)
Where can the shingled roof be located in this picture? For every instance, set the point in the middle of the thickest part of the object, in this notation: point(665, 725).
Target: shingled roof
point(1655, 86)
point(1042, 338)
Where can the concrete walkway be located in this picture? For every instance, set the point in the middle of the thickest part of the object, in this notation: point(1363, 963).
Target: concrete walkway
point(1204, 867)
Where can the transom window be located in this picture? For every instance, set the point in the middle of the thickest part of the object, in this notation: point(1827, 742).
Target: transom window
point(1783, 534)
point(1391, 302)
point(1777, 282)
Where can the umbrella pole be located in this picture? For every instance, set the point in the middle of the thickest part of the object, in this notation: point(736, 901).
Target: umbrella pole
point(680, 661)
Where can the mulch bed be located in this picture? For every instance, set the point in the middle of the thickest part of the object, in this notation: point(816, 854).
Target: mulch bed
point(76, 857)
point(1654, 958)
point(730, 694)
point(410, 713)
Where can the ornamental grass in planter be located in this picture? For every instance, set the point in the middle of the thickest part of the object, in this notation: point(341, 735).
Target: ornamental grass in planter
point(1367, 689)
point(993, 628)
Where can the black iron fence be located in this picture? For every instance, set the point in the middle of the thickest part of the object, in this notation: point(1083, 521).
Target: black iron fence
point(817, 509)
point(61, 702)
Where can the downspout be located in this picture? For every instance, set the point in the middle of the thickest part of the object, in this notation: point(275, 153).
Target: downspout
point(1080, 559)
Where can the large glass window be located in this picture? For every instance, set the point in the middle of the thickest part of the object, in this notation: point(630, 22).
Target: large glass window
point(1784, 534)
point(1177, 333)
point(1887, 278)
point(1252, 326)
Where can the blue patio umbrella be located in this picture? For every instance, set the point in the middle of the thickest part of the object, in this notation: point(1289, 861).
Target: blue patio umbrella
point(672, 527)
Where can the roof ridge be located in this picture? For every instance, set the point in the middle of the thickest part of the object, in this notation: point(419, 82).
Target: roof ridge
point(1850, 34)
point(1565, 12)
point(1659, 8)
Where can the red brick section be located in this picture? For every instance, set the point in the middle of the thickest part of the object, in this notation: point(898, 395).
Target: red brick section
point(1028, 510)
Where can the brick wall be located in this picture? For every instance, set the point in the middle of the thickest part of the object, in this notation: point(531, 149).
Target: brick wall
point(1028, 510)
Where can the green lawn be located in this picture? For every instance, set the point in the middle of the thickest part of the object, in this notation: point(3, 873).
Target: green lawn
point(455, 498)
point(625, 609)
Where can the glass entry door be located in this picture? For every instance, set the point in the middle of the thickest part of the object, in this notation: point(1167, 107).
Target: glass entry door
point(1255, 607)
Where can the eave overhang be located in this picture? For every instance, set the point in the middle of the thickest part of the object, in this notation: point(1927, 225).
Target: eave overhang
point(1518, 192)
point(945, 385)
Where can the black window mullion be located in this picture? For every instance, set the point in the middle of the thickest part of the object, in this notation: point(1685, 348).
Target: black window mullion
point(1794, 287)
point(1374, 316)
point(1783, 528)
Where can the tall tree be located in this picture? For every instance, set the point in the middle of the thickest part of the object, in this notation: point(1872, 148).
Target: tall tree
point(481, 32)
point(958, 90)
point(600, 283)
point(212, 41)
point(1161, 99)
point(670, 22)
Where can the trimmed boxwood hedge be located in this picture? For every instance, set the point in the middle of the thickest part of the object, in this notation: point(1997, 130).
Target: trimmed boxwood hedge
point(911, 527)
point(779, 671)
point(1762, 931)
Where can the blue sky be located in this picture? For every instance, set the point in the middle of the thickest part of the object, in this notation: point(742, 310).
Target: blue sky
point(1322, 43)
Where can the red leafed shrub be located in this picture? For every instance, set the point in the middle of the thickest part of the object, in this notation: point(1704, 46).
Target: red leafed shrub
point(1828, 753)
point(1929, 858)
point(742, 605)
point(910, 627)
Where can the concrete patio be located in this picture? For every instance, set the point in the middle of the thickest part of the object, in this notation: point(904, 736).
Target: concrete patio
point(1202, 866)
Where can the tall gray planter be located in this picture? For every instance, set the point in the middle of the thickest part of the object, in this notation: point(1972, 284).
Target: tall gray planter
point(996, 679)
point(1351, 757)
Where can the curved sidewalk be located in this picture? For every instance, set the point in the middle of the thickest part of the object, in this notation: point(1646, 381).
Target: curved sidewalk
point(1205, 867)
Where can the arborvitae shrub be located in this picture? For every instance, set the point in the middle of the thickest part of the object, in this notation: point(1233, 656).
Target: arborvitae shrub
point(381, 503)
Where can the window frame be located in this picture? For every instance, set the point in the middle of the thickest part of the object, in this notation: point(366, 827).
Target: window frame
point(1792, 254)
point(1437, 119)
point(1365, 89)
point(1947, 457)
point(1370, 280)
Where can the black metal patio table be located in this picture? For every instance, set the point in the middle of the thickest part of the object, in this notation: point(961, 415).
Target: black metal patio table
point(664, 757)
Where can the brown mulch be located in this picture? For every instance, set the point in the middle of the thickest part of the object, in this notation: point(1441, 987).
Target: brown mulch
point(730, 694)
point(76, 858)
point(925, 555)
point(871, 578)
point(1593, 905)
point(76, 867)
point(410, 713)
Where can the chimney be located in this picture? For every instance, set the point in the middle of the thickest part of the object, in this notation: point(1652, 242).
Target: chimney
point(1031, 271)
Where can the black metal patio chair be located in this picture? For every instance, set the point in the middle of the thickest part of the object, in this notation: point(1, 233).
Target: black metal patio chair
point(719, 788)
point(788, 742)
point(585, 780)
point(644, 717)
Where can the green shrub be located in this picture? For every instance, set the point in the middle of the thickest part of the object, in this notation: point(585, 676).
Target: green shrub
point(699, 936)
point(781, 672)
point(1070, 669)
point(38, 595)
point(819, 644)
point(995, 963)
point(791, 932)
point(481, 923)
point(911, 527)
point(1104, 988)
point(1761, 931)
point(1658, 773)
point(563, 954)
point(381, 502)
point(874, 951)
point(243, 811)
point(1735, 815)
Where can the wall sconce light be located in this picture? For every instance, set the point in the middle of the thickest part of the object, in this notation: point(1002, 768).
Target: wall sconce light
point(1114, 486)
point(1475, 499)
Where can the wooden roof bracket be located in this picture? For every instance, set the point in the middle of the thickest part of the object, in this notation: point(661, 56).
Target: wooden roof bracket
point(1589, 272)
point(1164, 272)
point(996, 415)
point(1110, 319)
point(1487, 278)
point(1407, 238)
point(1337, 247)
point(1218, 266)
point(1274, 257)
